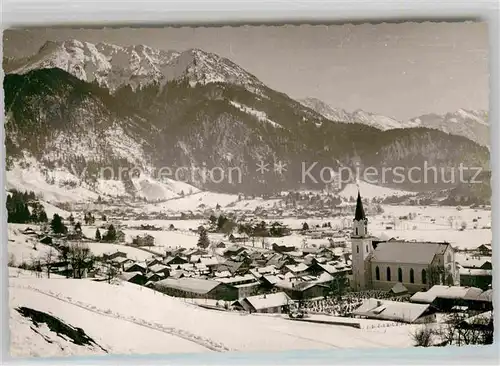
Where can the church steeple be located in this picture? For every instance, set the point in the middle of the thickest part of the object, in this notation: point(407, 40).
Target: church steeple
point(360, 212)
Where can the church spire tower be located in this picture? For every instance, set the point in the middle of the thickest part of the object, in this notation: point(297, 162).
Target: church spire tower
point(361, 248)
point(360, 224)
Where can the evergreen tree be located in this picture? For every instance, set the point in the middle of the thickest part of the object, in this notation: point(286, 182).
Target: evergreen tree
point(57, 225)
point(98, 235)
point(305, 226)
point(110, 234)
point(78, 227)
point(203, 241)
point(42, 216)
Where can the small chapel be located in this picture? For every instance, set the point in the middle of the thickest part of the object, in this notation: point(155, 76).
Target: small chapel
point(380, 265)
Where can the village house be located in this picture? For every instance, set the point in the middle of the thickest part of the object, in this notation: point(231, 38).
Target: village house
point(175, 260)
point(134, 277)
point(276, 303)
point(143, 241)
point(302, 290)
point(396, 311)
point(445, 298)
point(153, 277)
point(153, 261)
point(476, 277)
point(197, 288)
point(135, 267)
point(120, 262)
point(117, 254)
point(160, 269)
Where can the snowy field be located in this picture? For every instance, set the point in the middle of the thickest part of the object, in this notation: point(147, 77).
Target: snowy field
point(193, 202)
point(135, 254)
point(165, 224)
point(24, 248)
point(131, 319)
point(370, 191)
point(165, 239)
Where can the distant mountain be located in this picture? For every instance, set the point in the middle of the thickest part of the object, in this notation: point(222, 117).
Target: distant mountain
point(213, 114)
point(359, 116)
point(472, 124)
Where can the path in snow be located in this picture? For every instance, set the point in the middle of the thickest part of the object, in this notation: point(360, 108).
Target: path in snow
point(204, 342)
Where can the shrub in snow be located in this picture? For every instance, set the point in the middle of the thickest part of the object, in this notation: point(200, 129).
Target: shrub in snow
point(423, 337)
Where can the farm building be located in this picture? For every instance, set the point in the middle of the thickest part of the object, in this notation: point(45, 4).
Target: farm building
point(114, 255)
point(143, 241)
point(120, 262)
point(247, 289)
point(302, 290)
point(477, 277)
point(197, 288)
point(446, 298)
point(134, 277)
point(269, 303)
point(153, 277)
point(160, 269)
point(176, 259)
point(135, 267)
point(396, 311)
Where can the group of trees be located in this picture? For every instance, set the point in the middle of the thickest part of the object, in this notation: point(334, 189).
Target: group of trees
point(339, 285)
point(222, 224)
point(78, 257)
point(18, 208)
point(458, 329)
point(109, 236)
point(89, 219)
point(261, 229)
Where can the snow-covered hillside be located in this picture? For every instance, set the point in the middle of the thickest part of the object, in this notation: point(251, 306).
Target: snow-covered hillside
point(113, 66)
point(62, 185)
point(131, 319)
point(370, 191)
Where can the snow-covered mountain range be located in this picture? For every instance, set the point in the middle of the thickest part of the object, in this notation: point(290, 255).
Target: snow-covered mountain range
point(472, 124)
point(113, 66)
point(75, 105)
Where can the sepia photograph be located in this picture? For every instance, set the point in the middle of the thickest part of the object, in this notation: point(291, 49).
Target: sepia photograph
point(177, 190)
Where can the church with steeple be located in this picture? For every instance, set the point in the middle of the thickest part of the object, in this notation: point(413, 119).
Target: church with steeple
point(378, 264)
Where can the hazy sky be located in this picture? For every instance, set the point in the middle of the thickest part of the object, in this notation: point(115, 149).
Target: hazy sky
point(399, 70)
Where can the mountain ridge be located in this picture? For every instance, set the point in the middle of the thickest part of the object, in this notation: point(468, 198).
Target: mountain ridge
point(472, 124)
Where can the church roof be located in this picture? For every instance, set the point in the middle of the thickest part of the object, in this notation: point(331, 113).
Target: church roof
point(360, 212)
point(407, 252)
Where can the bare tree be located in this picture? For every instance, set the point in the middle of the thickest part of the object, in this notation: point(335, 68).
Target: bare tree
point(423, 337)
point(459, 330)
point(49, 259)
point(439, 275)
point(80, 258)
point(12, 260)
point(111, 272)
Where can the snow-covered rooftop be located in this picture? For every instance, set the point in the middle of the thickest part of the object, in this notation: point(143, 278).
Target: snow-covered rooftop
point(406, 252)
point(268, 301)
point(391, 310)
point(196, 285)
point(446, 292)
